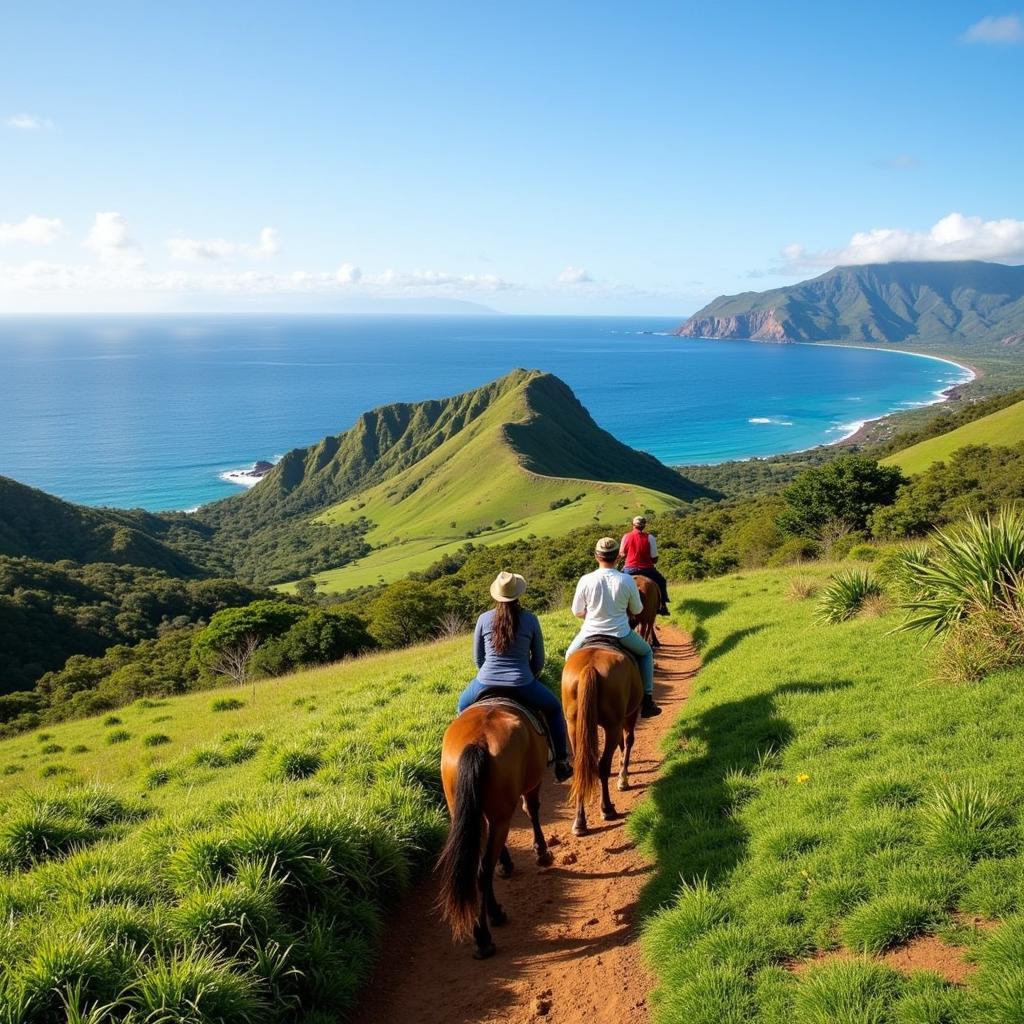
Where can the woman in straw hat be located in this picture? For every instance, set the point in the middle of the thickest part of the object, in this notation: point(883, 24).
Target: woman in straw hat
point(509, 650)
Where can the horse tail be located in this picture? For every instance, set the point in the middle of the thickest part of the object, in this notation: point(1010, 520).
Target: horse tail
point(459, 862)
point(585, 769)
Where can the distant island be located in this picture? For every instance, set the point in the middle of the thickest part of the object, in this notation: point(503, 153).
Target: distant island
point(964, 306)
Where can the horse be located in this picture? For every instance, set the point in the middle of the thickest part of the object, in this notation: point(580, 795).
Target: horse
point(491, 756)
point(644, 622)
point(600, 686)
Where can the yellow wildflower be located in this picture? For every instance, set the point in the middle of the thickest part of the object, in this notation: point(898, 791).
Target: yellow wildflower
point(803, 777)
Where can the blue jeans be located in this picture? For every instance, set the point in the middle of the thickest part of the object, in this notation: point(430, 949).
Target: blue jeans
point(535, 695)
point(632, 642)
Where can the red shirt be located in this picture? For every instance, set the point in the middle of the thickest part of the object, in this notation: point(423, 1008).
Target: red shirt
point(636, 550)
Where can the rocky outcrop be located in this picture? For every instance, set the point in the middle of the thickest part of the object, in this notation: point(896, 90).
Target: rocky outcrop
point(1012, 340)
point(758, 325)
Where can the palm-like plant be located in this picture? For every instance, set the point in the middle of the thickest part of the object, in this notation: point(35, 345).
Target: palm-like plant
point(976, 566)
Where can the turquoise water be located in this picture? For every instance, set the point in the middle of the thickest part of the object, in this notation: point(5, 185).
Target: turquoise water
point(149, 411)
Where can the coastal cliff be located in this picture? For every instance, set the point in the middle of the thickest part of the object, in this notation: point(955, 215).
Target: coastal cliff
point(758, 325)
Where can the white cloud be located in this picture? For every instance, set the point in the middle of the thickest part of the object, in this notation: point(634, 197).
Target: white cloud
point(111, 240)
point(1000, 30)
point(195, 250)
point(32, 230)
point(124, 278)
point(955, 237)
point(28, 122)
point(574, 275)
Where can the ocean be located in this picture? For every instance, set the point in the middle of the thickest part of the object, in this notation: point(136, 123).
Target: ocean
point(152, 411)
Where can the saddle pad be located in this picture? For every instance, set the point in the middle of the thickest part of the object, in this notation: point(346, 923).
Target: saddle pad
point(608, 643)
point(508, 703)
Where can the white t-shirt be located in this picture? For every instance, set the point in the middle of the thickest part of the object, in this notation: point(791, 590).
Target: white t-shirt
point(607, 596)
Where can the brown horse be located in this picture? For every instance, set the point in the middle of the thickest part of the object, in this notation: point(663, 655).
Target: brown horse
point(644, 622)
point(491, 757)
point(602, 687)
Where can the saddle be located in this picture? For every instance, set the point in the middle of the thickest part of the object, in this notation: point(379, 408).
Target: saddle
point(609, 643)
point(499, 697)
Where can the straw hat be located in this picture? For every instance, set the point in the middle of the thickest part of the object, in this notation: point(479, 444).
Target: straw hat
point(606, 547)
point(639, 520)
point(507, 586)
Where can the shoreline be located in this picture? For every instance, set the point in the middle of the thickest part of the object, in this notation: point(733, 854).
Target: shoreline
point(861, 428)
point(859, 434)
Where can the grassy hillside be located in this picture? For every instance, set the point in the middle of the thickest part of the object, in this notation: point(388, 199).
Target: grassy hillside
point(814, 798)
point(824, 791)
point(223, 856)
point(37, 525)
point(514, 470)
point(999, 429)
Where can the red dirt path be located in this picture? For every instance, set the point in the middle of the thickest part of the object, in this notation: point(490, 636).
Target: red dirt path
point(569, 953)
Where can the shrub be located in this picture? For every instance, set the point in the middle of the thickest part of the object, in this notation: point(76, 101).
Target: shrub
point(50, 770)
point(111, 720)
point(51, 748)
point(227, 704)
point(794, 551)
point(79, 748)
point(845, 594)
point(863, 553)
point(156, 739)
point(977, 567)
point(118, 736)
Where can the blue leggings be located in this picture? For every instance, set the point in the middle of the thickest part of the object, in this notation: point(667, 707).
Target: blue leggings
point(535, 695)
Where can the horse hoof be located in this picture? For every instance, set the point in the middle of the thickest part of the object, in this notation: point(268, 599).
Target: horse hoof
point(485, 952)
point(497, 920)
point(503, 870)
point(579, 830)
point(622, 785)
point(610, 815)
point(545, 859)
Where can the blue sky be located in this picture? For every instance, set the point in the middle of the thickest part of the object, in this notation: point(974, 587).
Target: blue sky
point(576, 158)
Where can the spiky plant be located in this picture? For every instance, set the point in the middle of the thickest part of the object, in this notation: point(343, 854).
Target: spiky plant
point(845, 594)
point(977, 567)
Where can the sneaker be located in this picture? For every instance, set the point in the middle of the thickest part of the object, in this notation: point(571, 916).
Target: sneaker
point(563, 771)
point(649, 709)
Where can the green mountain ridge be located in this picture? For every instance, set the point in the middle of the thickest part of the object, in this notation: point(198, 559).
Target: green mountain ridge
point(273, 532)
point(966, 303)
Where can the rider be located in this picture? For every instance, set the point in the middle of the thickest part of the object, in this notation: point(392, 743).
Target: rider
point(639, 551)
point(509, 652)
point(604, 598)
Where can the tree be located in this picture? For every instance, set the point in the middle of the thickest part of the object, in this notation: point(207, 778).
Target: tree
point(317, 638)
point(230, 630)
point(233, 659)
point(406, 613)
point(839, 496)
point(306, 588)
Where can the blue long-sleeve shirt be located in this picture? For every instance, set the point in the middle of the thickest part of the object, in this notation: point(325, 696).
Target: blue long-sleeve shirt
point(520, 664)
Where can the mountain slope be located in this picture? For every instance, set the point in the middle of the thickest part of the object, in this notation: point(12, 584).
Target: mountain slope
point(1001, 429)
point(964, 303)
point(532, 462)
point(38, 525)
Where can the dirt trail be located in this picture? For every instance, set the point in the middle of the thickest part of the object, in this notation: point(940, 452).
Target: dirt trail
point(571, 940)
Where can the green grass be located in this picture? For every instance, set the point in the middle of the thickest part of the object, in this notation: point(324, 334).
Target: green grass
point(823, 790)
point(1002, 428)
point(240, 868)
